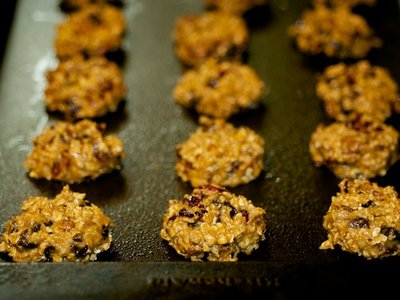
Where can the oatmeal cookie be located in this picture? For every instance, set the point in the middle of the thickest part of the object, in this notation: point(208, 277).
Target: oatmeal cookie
point(213, 224)
point(81, 88)
point(73, 153)
point(74, 5)
point(92, 31)
point(238, 7)
point(359, 148)
point(364, 218)
point(335, 32)
point(213, 34)
point(220, 89)
point(221, 154)
point(66, 228)
point(358, 88)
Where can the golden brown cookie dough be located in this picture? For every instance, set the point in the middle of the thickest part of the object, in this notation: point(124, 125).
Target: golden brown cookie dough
point(66, 228)
point(220, 89)
point(73, 5)
point(73, 153)
point(234, 6)
point(358, 88)
point(92, 31)
point(360, 148)
point(213, 34)
point(335, 32)
point(81, 88)
point(213, 224)
point(364, 218)
point(221, 154)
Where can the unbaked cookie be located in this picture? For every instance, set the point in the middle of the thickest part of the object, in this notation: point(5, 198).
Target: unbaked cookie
point(221, 154)
point(334, 32)
point(66, 228)
point(364, 218)
point(220, 89)
point(81, 88)
point(92, 31)
point(358, 88)
point(212, 34)
point(359, 148)
point(73, 153)
point(213, 224)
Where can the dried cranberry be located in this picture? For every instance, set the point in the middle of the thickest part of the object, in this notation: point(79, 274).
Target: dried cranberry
point(77, 238)
point(24, 242)
point(48, 253)
point(48, 223)
point(212, 83)
point(172, 218)
point(245, 214)
point(186, 214)
point(36, 227)
point(192, 200)
point(359, 223)
point(233, 212)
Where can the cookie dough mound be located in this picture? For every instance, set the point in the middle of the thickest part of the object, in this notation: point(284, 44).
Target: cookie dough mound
point(74, 152)
point(358, 88)
point(81, 88)
point(94, 30)
point(213, 224)
point(348, 3)
point(360, 148)
point(364, 218)
point(238, 7)
point(221, 154)
point(213, 34)
point(333, 32)
point(66, 228)
point(220, 89)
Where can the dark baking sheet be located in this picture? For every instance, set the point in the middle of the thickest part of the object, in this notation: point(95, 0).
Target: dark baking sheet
point(294, 193)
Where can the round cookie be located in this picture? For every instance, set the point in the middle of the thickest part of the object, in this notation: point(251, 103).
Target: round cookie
point(92, 31)
point(219, 153)
point(81, 88)
point(212, 34)
point(335, 32)
point(219, 89)
point(73, 153)
point(364, 218)
point(213, 224)
point(360, 148)
point(358, 88)
point(238, 7)
point(66, 228)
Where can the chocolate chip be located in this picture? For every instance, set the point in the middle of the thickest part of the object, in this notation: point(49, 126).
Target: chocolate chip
point(48, 253)
point(36, 227)
point(24, 241)
point(390, 231)
point(48, 223)
point(367, 204)
point(105, 232)
point(233, 212)
point(77, 238)
point(79, 252)
point(359, 223)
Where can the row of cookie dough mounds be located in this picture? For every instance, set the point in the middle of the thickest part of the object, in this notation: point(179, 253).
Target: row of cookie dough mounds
point(358, 148)
point(85, 88)
point(66, 228)
point(333, 32)
point(74, 152)
point(94, 30)
point(221, 154)
point(358, 88)
point(364, 219)
point(213, 224)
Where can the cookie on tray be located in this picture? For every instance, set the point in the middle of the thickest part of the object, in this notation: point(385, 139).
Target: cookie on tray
point(220, 89)
point(364, 219)
point(358, 148)
point(66, 228)
point(80, 88)
point(74, 5)
point(219, 153)
point(73, 153)
point(213, 224)
point(238, 7)
point(214, 34)
point(92, 31)
point(333, 32)
point(358, 88)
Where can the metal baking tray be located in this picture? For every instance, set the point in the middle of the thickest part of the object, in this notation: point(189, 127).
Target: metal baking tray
point(294, 193)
